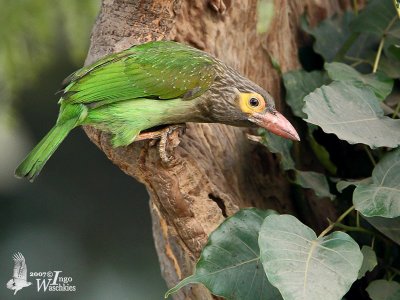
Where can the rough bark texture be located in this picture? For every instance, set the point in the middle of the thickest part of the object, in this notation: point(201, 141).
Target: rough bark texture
point(216, 169)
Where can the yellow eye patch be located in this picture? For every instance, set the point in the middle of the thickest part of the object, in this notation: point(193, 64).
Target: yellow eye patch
point(251, 102)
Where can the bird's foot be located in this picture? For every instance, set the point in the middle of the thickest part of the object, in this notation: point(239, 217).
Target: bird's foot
point(219, 5)
point(169, 140)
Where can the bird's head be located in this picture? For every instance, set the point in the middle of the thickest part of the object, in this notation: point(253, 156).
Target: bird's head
point(258, 107)
point(243, 103)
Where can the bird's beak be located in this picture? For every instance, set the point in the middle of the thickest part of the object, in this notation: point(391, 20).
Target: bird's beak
point(275, 123)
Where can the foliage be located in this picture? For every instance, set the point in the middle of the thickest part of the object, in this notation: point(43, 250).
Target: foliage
point(232, 257)
point(351, 102)
point(27, 46)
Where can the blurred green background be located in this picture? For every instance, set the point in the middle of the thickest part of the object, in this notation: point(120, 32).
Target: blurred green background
point(82, 215)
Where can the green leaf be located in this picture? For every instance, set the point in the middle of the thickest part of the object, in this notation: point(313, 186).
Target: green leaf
point(278, 145)
point(303, 266)
point(389, 227)
point(330, 34)
point(369, 261)
point(315, 181)
point(382, 196)
point(375, 18)
point(299, 84)
point(353, 114)
point(344, 184)
point(384, 290)
point(378, 83)
point(389, 66)
point(229, 265)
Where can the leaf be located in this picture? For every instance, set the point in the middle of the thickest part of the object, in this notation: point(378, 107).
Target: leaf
point(353, 114)
point(299, 84)
point(330, 34)
point(378, 83)
point(303, 266)
point(229, 265)
point(384, 290)
point(389, 227)
point(369, 261)
point(375, 18)
point(382, 196)
point(278, 145)
point(315, 181)
point(344, 184)
point(389, 66)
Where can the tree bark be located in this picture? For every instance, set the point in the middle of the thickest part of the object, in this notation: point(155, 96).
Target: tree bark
point(216, 170)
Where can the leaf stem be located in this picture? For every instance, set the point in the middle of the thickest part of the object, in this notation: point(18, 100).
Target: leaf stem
point(346, 46)
point(357, 60)
point(358, 219)
point(339, 219)
point(394, 270)
point(378, 55)
point(354, 228)
point(370, 156)
point(355, 5)
point(392, 273)
point(396, 112)
point(382, 42)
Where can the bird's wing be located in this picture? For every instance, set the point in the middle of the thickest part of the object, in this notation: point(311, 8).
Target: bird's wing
point(20, 270)
point(156, 70)
point(10, 284)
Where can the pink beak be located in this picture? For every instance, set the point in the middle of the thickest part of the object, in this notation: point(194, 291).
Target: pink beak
point(275, 123)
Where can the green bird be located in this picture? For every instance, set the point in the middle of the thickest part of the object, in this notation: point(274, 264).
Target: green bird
point(152, 84)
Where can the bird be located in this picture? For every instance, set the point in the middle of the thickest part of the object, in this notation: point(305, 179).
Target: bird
point(19, 280)
point(152, 84)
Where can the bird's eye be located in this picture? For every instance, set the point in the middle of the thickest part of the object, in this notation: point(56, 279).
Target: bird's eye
point(254, 102)
point(251, 103)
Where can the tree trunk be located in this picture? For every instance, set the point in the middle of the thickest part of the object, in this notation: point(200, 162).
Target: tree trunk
point(216, 170)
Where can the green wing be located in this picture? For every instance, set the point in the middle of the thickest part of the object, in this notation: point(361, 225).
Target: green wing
point(158, 70)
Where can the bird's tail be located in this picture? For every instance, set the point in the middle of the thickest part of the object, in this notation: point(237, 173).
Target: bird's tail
point(37, 158)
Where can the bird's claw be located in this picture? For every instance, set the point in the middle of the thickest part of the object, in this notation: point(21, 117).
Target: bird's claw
point(169, 140)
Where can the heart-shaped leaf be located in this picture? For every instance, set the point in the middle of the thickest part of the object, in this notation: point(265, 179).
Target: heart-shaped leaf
point(378, 83)
point(382, 196)
point(303, 266)
point(353, 114)
point(229, 265)
point(369, 261)
point(384, 290)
